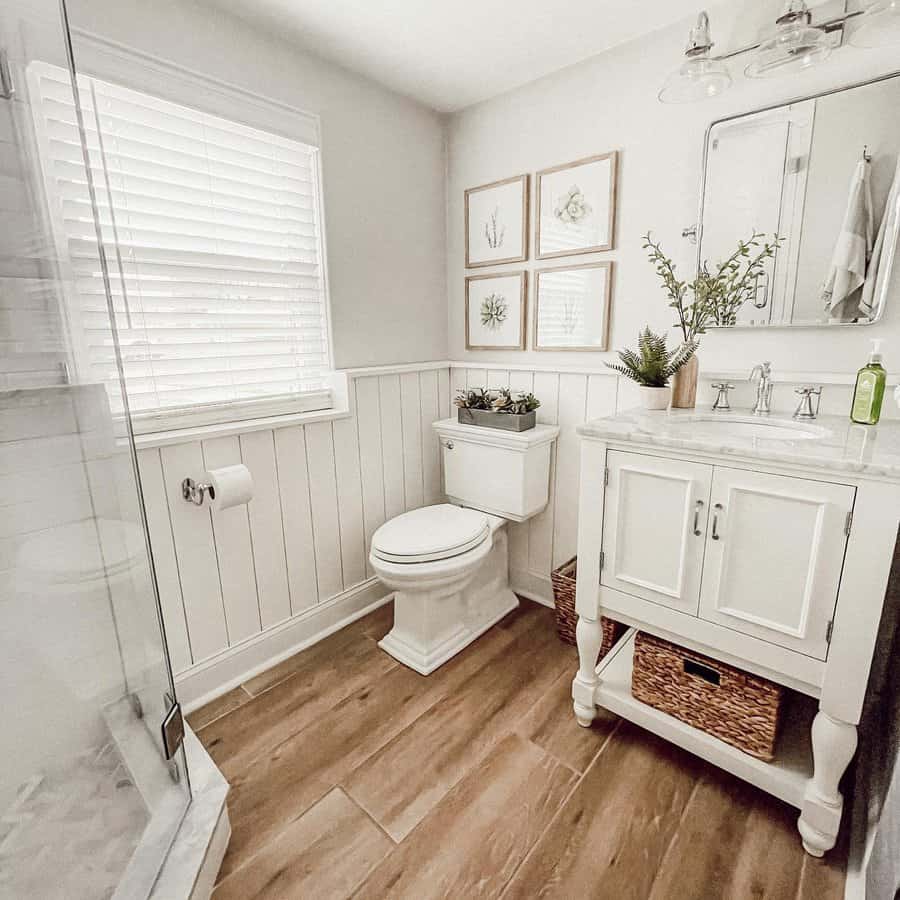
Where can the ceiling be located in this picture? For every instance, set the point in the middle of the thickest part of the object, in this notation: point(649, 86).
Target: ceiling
point(452, 54)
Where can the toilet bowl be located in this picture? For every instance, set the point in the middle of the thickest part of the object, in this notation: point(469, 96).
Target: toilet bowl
point(448, 564)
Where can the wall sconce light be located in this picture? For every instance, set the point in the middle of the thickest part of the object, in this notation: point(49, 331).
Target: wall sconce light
point(879, 25)
point(700, 76)
point(796, 44)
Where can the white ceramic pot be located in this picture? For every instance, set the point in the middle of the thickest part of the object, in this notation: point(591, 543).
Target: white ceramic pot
point(655, 397)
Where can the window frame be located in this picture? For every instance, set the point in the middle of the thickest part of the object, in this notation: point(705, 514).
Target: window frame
point(147, 74)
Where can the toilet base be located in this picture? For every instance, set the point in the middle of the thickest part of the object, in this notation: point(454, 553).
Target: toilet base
point(432, 626)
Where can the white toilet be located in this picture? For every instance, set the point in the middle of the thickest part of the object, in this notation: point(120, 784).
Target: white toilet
point(448, 564)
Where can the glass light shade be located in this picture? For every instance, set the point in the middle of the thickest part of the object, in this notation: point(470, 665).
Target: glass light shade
point(699, 78)
point(795, 46)
point(879, 25)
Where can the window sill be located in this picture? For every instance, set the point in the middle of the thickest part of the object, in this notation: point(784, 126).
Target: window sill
point(340, 410)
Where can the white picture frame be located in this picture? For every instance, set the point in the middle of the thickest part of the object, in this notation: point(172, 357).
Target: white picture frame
point(576, 207)
point(496, 307)
point(572, 306)
point(496, 222)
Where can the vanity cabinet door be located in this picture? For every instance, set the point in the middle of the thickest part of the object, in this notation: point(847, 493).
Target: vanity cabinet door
point(775, 549)
point(654, 525)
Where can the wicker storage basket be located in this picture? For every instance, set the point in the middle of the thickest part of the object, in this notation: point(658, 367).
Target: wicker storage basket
point(741, 709)
point(563, 580)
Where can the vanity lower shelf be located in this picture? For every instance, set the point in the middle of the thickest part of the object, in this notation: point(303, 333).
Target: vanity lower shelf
point(785, 777)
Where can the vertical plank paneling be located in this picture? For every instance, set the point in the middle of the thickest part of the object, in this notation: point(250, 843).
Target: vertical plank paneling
point(391, 445)
point(411, 419)
point(196, 553)
point(627, 396)
point(299, 543)
point(476, 378)
point(601, 396)
point(324, 507)
point(431, 460)
point(349, 495)
point(164, 561)
point(266, 534)
point(518, 533)
point(231, 529)
point(457, 382)
point(497, 379)
point(573, 396)
point(540, 532)
point(368, 427)
point(445, 407)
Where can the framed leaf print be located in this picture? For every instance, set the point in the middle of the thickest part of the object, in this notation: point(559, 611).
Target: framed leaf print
point(496, 222)
point(571, 307)
point(576, 207)
point(495, 311)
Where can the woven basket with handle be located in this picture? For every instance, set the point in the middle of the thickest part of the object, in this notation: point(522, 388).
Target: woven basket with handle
point(563, 579)
point(739, 708)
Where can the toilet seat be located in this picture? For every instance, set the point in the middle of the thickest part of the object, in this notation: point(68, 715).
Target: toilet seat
point(430, 534)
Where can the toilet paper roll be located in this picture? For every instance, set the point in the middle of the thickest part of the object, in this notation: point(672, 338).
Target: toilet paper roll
point(229, 486)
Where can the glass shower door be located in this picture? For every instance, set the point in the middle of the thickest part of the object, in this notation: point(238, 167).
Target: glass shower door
point(89, 803)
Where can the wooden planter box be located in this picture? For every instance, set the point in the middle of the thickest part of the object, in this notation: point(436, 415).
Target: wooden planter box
point(487, 419)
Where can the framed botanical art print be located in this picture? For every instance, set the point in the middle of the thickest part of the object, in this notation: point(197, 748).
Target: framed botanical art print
point(495, 311)
point(571, 307)
point(497, 223)
point(576, 207)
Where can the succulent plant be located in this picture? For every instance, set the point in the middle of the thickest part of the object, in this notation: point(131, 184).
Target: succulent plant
point(499, 400)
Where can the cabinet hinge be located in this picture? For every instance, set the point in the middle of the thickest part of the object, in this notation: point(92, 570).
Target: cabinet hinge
point(602, 559)
point(606, 477)
point(848, 523)
point(829, 631)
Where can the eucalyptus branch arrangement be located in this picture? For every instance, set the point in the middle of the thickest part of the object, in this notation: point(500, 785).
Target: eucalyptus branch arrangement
point(716, 293)
point(653, 364)
point(501, 400)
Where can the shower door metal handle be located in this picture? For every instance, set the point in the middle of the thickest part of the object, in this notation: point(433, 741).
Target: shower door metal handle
point(7, 88)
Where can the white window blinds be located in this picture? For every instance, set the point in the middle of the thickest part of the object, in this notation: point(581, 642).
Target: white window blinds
point(213, 239)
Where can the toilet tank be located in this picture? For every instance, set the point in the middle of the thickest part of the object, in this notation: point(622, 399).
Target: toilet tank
point(501, 472)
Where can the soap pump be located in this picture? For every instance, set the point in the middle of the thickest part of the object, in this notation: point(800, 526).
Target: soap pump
point(869, 391)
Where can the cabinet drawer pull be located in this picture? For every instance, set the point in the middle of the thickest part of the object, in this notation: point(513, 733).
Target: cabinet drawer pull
point(697, 509)
point(715, 523)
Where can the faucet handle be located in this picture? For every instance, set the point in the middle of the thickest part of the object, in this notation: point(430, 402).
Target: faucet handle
point(805, 408)
point(722, 398)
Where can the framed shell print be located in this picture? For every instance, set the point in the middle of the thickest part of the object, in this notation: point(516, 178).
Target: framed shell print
point(496, 221)
point(576, 207)
point(495, 311)
point(571, 307)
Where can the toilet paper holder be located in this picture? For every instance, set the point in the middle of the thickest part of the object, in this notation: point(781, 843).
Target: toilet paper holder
point(195, 492)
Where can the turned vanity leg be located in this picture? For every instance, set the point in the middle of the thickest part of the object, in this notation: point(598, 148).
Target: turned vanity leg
point(833, 744)
point(589, 636)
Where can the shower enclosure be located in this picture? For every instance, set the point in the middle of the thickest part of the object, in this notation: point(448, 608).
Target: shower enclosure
point(91, 795)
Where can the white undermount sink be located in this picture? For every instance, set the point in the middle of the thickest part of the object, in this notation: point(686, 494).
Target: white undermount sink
point(730, 427)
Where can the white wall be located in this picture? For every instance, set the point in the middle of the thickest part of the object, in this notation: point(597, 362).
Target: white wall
point(609, 103)
point(383, 161)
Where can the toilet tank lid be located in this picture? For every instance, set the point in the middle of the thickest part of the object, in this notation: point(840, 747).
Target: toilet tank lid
point(516, 440)
point(430, 530)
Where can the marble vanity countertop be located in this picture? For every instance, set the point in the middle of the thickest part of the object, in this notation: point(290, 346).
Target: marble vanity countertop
point(832, 443)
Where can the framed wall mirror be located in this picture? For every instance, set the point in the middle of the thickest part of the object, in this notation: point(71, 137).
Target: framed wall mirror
point(822, 173)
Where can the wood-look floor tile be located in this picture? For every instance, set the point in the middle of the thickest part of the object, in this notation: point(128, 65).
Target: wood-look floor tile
point(378, 623)
point(405, 779)
point(733, 842)
point(325, 854)
point(551, 725)
point(316, 686)
point(473, 841)
point(612, 833)
point(286, 780)
point(217, 708)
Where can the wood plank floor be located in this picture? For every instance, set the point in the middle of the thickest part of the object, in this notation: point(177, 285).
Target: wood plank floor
point(353, 776)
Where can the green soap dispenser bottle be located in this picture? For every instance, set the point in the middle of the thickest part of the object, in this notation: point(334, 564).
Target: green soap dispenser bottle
point(869, 391)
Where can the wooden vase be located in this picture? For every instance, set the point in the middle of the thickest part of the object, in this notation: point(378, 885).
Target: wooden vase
point(684, 385)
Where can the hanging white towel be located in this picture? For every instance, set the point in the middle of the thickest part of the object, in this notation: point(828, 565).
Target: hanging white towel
point(882, 256)
point(851, 251)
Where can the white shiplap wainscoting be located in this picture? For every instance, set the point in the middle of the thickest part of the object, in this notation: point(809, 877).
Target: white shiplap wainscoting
point(568, 398)
point(245, 587)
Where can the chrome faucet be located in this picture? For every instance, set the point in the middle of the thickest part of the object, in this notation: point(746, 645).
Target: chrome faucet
point(763, 405)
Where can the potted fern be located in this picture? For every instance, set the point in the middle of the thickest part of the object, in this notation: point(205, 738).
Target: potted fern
point(652, 366)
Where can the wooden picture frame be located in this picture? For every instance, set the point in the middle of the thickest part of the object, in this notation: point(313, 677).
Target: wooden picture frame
point(478, 254)
point(605, 299)
point(604, 225)
point(518, 317)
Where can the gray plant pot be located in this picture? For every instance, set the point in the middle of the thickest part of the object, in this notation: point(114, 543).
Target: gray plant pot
point(487, 419)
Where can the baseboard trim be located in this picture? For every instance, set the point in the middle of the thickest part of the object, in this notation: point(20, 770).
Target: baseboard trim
point(531, 586)
point(223, 672)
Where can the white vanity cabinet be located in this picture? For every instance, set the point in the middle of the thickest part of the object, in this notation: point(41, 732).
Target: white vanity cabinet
point(771, 555)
